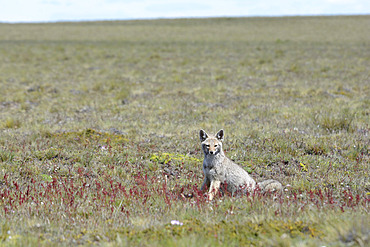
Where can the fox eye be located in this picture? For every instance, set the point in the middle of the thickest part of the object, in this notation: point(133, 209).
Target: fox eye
point(207, 145)
point(216, 145)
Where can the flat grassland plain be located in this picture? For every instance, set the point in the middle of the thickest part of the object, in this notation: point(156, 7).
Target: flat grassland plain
point(99, 131)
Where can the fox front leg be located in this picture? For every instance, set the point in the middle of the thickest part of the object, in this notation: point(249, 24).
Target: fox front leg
point(213, 189)
point(205, 183)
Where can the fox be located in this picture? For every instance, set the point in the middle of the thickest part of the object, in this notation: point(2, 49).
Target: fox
point(218, 169)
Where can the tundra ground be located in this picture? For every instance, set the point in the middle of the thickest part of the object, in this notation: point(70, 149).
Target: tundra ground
point(99, 131)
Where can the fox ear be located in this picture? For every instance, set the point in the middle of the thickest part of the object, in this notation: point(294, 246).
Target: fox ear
point(220, 135)
point(203, 135)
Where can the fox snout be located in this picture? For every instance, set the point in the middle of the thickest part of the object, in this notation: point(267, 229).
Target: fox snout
point(212, 149)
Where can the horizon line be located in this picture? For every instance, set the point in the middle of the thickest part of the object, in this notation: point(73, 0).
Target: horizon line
point(181, 18)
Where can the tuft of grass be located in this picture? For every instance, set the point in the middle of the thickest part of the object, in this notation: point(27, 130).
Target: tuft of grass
point(335, 120)
point(11, 123)
point(6, 156)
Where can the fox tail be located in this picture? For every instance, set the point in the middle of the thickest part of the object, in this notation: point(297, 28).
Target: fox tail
point(270, 185)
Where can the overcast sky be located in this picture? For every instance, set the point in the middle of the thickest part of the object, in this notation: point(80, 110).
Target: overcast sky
point(77, 10)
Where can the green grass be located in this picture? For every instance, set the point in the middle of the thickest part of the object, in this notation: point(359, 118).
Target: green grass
point(99, 131)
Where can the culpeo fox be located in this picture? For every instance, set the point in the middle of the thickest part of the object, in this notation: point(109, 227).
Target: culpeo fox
point(218, 169)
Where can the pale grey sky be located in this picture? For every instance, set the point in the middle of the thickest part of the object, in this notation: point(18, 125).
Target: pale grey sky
point(77, 10)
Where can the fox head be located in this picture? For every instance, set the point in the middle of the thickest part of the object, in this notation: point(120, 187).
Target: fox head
point(211, 144)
